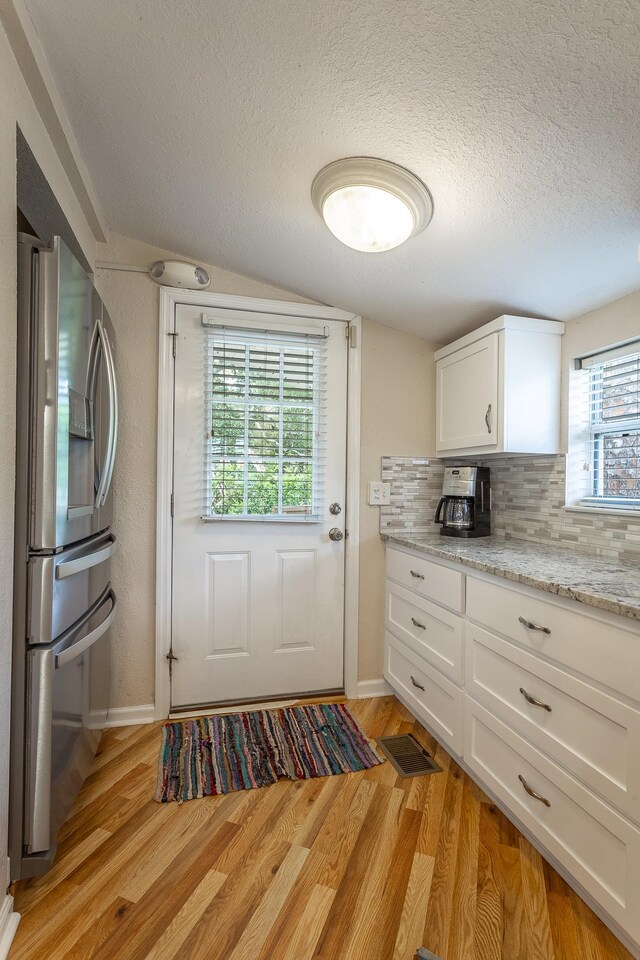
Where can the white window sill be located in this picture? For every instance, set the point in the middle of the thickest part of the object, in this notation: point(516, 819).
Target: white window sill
point(610, 511)
point(279, 518)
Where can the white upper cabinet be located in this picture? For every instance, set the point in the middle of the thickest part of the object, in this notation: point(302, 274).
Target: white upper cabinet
point(498, 389)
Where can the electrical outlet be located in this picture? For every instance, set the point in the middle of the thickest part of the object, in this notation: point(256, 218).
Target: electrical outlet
point(379, 494)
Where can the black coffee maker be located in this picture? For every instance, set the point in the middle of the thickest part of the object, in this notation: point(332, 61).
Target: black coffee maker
point(465, 507)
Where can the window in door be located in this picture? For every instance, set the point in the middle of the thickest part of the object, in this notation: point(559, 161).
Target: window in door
point(265, 395)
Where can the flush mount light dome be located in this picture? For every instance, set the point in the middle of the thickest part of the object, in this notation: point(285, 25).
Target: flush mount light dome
point(369, 204)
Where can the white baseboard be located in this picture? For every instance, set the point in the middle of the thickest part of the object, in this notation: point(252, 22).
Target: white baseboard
point(373, 688)
point(128, 716)
point(8, 926)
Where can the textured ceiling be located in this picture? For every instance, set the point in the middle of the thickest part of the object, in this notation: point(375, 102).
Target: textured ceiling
point(203, 125)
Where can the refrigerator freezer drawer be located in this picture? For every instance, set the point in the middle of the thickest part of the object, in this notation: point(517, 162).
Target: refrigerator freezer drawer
point(67, 707)
point(63, 586)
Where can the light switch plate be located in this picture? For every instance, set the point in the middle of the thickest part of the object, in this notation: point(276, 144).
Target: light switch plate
point(379, 493)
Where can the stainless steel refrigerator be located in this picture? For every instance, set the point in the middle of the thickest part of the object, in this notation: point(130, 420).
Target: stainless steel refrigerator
point(64, 603)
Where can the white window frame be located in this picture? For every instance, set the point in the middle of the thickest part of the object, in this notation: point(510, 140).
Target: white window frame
point(583, 429)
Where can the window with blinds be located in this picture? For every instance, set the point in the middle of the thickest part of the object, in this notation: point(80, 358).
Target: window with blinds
point(614, 426)
point(265, 395)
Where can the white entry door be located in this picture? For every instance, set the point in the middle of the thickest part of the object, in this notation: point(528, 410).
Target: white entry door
point(259, 506)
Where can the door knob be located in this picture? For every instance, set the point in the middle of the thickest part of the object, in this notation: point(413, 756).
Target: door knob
point(335, 509)
point(335, 534)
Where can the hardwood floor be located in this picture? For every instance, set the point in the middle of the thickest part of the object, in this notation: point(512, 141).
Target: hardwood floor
point(365, 866)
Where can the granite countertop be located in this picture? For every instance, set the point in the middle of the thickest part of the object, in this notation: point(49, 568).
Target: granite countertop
point(607, 584)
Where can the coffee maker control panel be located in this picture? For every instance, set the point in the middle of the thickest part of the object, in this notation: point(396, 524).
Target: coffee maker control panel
point(459, 481)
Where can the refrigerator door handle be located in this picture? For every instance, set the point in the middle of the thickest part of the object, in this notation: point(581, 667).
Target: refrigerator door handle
point(64, 652)
point(68, 568)
point(37, 799)
point(113, 423)
point(99, 341)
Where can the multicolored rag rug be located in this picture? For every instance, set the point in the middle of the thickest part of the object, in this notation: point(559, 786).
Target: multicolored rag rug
point(241, 751)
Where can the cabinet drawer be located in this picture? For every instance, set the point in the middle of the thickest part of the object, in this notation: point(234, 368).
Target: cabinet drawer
point(588, 644)
point(594, 735)
point(428, 629)
point(439, 705)
point(428, 579)
point(600, 848)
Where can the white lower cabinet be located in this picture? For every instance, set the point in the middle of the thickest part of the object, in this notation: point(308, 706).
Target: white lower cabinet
point(426, 578)
point(429, 630)
point(604, 648)
point(434, 700)
point(600, 848)
point(547, 720)
point(595, 735)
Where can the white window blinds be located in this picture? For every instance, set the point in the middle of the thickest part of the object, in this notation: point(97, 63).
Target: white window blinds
point(265, 395)
point(614, 425)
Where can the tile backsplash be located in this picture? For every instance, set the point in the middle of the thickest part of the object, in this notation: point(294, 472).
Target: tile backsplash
point(528, 495)
point(416, 485)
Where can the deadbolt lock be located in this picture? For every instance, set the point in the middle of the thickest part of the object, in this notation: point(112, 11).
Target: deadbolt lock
point(335, 509)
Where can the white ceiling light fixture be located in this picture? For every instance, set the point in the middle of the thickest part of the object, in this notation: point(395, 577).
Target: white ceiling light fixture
point(371, 205)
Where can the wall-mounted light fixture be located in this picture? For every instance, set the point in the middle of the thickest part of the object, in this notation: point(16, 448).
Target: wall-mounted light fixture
point(179, 273)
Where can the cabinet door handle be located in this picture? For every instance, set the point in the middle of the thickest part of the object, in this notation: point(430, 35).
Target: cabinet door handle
point(532, 792)
point(486, 418)
point(416, 684)
point(418, 576)
point(533, 626)
point(533, 701)
point(417, 623)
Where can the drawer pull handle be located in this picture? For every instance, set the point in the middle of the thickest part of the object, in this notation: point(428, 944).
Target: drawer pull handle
point(533, 701)
point(532, 793)
point(416, 684)
point(418, 576)
point(417, 623)
point(533, 626)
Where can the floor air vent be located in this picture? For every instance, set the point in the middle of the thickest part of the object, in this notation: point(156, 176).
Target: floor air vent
point(407, 756)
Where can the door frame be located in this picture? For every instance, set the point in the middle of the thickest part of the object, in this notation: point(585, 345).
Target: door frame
point(170, 297)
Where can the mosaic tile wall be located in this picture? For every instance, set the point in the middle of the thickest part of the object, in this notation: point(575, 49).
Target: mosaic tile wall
point(528, 495)
point(416, 487)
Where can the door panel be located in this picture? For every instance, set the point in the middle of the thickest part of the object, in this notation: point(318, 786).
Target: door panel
point(67, 403)
point(227, 604)
point(258, 604)
point(63, 471)
point(467, 397)
point(297, 599)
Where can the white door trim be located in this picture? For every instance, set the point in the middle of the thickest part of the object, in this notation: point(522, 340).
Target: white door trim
point(169, 297)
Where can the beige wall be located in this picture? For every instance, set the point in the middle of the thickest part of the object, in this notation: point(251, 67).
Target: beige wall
point(398, 419)
point(16, 106)
point(397, 379)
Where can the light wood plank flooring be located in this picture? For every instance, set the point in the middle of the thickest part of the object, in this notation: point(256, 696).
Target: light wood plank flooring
point(359, 867)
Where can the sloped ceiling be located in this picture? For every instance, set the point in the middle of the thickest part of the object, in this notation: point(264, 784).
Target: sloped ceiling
point(203, 125)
